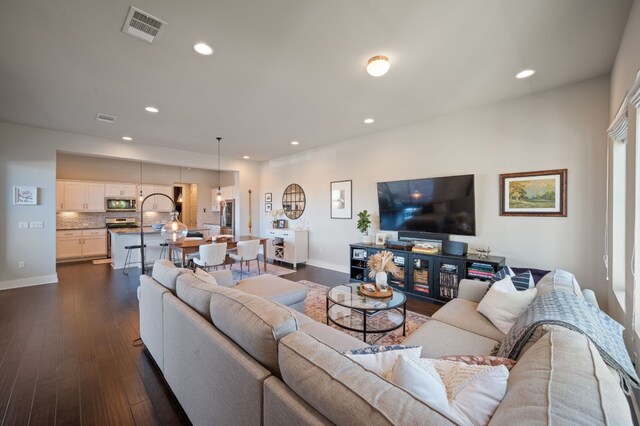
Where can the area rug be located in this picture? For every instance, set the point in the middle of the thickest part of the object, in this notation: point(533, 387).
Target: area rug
point(315, 307)
point(271, 269)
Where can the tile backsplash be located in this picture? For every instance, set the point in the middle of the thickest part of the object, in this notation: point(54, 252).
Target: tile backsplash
point(71, 220)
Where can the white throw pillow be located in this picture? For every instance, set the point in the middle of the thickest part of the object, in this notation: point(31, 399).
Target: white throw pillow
point(420, 380)
point(473, 391)
point(503, 304)
point(205, 276)
point(380, 359)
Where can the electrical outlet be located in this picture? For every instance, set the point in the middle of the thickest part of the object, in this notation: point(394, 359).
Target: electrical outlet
point(39, 224)
point(23, 225)
point(21, 264)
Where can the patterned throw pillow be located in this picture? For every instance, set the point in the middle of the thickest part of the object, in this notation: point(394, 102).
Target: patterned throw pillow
point(380, 359)
point(521, 281)
point(481, 360)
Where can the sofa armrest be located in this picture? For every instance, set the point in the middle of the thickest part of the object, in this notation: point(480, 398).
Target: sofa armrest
point(223, 277)
point(472, 290)
point(590, 297)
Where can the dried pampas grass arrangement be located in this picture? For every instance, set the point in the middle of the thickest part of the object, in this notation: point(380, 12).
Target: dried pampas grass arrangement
point(382, 262)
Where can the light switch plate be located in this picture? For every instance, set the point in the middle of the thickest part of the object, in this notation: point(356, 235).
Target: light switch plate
point(38, 224)
point(23, 225)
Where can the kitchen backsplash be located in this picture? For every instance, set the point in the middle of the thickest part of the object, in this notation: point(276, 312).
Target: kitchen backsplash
point(71, 220)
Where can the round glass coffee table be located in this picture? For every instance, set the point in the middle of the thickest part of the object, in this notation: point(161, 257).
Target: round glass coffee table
point(349, 309)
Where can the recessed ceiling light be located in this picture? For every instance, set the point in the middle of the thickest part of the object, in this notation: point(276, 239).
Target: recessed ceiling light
point(151, 109)
point(368, 120)
point(203, 49)
point(246, 157)
point(525, 73)
point(295, 143)
point(127, 138)
point(378, 66)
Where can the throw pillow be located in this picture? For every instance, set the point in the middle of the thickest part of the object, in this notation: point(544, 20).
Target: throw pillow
point(481, 360)
point(420, 380)
point(380, 359)
point(560, 280)
point(474, 391)
point(521, 281)
point(205, 276)
point(501, 274)
point(503, 304)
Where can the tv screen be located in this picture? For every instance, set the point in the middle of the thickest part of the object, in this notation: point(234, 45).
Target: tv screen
point(443, 205)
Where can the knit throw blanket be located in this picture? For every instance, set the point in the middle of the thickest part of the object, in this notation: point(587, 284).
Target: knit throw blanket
point(569, 311)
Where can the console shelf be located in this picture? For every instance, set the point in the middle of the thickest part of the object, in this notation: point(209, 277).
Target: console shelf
point(433, 277)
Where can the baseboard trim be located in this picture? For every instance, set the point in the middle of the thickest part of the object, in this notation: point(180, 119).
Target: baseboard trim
point(327, 265)
point(28, 282)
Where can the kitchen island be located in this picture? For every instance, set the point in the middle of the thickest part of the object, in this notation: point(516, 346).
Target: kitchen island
point(123, 237)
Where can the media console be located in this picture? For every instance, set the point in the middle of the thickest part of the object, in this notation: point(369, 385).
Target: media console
point(433, 277)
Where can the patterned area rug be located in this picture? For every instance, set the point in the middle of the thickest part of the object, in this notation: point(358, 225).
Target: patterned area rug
point(271, 269)
point(316, 307)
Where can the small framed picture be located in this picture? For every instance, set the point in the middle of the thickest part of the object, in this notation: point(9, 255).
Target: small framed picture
point(282, 223)
point(267, 207)
point(542, 193)
point(341, 199)
point(381, 238)
point(267, 197)
point(25, 195)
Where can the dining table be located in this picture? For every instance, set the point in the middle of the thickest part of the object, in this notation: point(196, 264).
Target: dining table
point(192, 245)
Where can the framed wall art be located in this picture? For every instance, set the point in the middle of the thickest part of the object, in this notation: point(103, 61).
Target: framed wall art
point(542, 193)
point(341, 200)
point(25, 195)
point(268, 207)
point(267, 197)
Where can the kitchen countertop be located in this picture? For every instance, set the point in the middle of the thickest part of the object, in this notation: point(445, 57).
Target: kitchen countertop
point(80, 229)
point(146, 230)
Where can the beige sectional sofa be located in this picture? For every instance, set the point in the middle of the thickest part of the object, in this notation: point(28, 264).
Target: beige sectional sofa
point(250, 360)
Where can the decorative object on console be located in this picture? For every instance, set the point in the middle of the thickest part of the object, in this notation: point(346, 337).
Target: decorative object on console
point(268, 197)
point(341, 200)
point(381, 238)
point(364, 222)
point(293, 201)
point(25, 195)
point(483, 253)
point(282, 223)
point(275, 215)
point(457, 248)
point(380, 264)
point(541, 193)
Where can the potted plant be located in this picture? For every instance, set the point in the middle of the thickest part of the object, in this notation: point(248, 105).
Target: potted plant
point(379, 264)
point(364, 222)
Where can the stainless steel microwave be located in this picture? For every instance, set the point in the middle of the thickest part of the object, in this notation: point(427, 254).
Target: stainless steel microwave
point(115, 204)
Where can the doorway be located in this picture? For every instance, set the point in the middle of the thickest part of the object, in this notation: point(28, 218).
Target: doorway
point(187, 205)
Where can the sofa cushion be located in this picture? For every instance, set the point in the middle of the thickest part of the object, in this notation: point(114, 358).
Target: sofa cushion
point(274, 288)
point(438, 339)
point(559, 280)
point(462, 313)
point(166, 274)
point(562, 379)
point(253, 323)
point(196, 293)
point(205, 276)
point(344, 392)
point(331, 337)
point(503, 304)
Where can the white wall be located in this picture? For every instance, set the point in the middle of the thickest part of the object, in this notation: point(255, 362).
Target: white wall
point(28, 157)
point(627, 61)
point(563, 128)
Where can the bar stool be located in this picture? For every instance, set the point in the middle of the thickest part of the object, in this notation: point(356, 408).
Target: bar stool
point(127, 260)
point(163, 250)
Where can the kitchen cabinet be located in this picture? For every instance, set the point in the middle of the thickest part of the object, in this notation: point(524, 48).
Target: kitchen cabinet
point(59, 195)
point(83, 196)
point(75, 244)
point(288, 245)
point(120, 190)
point(158, 203)
point(227, 194)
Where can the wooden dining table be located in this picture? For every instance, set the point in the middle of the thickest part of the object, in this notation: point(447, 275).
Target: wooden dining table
point(193, 246)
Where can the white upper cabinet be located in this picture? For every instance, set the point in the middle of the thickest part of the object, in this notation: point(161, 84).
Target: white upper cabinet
point(120, 190)
point(83, 196)
point(158, 203)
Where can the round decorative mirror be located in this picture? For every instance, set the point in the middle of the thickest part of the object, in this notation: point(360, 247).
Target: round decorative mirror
point(293, 201)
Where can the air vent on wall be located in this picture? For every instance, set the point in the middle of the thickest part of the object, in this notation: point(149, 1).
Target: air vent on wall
point(105, 117)
point(141, 25)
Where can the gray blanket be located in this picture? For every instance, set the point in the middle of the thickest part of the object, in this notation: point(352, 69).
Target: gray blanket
point(569, 311)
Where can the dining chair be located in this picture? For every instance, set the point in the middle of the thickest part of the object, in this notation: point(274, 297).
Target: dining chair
point(211, 255)
point(246, 252)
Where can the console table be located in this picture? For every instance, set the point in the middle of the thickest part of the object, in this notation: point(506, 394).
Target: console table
point(432, 277)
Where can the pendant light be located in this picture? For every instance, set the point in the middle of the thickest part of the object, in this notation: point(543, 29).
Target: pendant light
point(219, 174)
point(140, 197)
point(179, 200)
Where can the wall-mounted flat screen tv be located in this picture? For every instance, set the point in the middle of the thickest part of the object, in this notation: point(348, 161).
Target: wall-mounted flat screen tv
point(443, 205)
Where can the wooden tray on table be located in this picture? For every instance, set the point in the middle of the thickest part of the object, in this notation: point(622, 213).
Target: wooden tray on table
point(377, 293)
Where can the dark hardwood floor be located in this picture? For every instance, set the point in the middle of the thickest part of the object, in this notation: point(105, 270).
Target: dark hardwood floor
point(66, 353)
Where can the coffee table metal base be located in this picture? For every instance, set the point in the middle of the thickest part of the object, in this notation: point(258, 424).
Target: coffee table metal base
point(364, 313)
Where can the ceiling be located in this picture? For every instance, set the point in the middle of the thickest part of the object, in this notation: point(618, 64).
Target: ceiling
point(287, 70)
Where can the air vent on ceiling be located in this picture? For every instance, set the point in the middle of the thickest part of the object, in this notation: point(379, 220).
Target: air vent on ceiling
point(141, 25)
point(105, 117)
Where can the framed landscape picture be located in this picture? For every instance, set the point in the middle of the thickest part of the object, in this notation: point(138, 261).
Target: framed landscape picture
point(341, 199)
point(542, 193)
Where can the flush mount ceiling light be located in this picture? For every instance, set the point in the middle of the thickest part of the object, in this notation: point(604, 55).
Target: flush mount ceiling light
point(127, 138)
point(378, 66)
point(295, 143)
point(368, 120)
point(203, 49)
point(525, 74)
point(151, 109)
point(246, 157)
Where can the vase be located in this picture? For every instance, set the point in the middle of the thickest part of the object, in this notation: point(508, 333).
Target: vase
point(381, 281)
point(366, 239)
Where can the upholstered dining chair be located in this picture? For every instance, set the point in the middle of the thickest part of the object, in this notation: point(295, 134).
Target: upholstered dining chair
point(246, 252)
point(211, 255)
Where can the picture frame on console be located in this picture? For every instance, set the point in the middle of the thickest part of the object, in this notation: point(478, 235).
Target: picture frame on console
point(341, 206)
point(381, 239)
point(540, 193)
